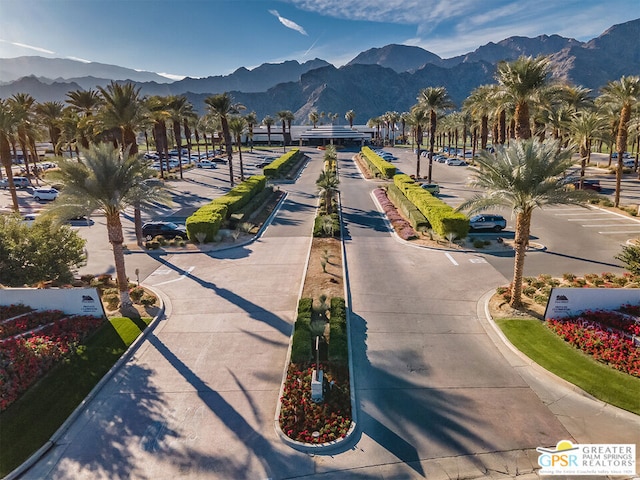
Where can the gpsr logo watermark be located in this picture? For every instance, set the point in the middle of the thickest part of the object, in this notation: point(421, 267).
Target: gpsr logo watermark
point(588, 459)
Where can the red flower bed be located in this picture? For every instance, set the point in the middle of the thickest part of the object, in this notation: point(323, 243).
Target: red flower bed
point(10, 311)
point(28, 321)
point(300, 417)
point(604, 344)
point(402, 227)
point(25, 359)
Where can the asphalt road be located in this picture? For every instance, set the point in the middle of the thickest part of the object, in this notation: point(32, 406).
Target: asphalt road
point(577, 240)
point(436, 396)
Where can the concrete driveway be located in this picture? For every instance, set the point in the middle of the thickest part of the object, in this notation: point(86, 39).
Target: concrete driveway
point(435, 396)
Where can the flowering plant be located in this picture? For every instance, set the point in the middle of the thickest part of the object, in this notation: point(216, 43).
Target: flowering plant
point(306, 421)
point(606, 336)
point(31, 352)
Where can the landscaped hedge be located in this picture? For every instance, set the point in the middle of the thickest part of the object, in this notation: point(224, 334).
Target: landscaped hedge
point(301, 347)
point(386, 169)
point(417, 220)
point(280, 166)
point(338, 350)
point(209, 218)
point(443, 218)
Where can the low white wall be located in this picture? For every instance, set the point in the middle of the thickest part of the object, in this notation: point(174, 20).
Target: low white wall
point(565, 302)
point(74, 301)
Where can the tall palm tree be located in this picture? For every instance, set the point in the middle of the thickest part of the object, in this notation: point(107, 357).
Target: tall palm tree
point(433, 100)
point(236, 126)
point(418, 119)
point(85, 103)
point(50, 114)
point(159, 112)
point(22, 105)
point(180, 108)
point(585, 125)
point(327, 184)
point(8, 128)
point(285, 116)
point(251, 119)
point(521, 80)
point(623, 95)
point(108, 180)
point(123, 109)
point(349, 117)
point(268, 122)
point(524, 176)
point(222, 106)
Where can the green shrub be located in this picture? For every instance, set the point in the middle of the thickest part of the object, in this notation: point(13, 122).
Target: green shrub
point(326, 226)
point(280, 166)
point(148, 300)
point(338, 350)
point(112, 300)
point(386, 169)
point(301, 347)
point(478, 243)
point(136, 293)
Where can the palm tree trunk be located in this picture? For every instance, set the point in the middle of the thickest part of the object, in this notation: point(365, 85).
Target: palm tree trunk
point(432, 142)
point(5, 156)
point(523, 226)
point(116, 238)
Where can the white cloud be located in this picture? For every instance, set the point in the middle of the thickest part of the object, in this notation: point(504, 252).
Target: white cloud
point(78, 59)
point(171, 76)
point(288, 23)
point(30, 47)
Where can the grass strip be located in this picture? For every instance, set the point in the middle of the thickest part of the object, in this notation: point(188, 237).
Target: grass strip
point(549, 351)
point(27, 424)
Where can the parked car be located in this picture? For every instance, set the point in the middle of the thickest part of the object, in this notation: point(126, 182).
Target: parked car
point(206, 164)
point(44, 193)
point(488, 222)
point(80, 221)
point(165, 229)
point(629, 162)
point(29, 218)
point(432, 188)
point(440, 158)
point(19, 182)
point(455, 161)
point(588, 184)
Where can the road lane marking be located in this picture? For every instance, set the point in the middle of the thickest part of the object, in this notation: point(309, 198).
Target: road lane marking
point(451, 258)
point(181, 277)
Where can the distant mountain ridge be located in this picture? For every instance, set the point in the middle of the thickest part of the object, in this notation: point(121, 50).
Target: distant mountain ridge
point(379, 79)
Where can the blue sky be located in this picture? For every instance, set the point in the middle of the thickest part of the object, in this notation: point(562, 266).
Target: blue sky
point(199, 38)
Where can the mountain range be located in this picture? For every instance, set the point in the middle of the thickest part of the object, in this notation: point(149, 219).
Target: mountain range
point(374, 82)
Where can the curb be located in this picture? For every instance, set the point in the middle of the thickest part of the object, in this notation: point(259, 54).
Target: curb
point(38, 454)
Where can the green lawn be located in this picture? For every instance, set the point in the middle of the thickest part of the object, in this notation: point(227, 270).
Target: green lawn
point(27, 424)
point(554, 354)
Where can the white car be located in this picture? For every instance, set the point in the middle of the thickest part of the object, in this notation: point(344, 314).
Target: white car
point(206, 164)
point(629, 162)
point(44, 193)
point(455, 161)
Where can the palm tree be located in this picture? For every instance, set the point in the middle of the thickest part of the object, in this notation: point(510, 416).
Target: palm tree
point(433, 100)
point(418, 119)
point(520, 81)
point(222, 106)
point(251, 119)
point(123, 109)
point(50, 114)
point(108, 180)
point(8, 127)
point(268, 122)
point(85, 103)
point(158, 111)
point(313, 118)
point(180, 109)
point(524, 176)
point(584, 127)
point(349, 117)
point(21, 105)
point(282, 116)
point(236, 126)
point(327, 184)
point(623, 95)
